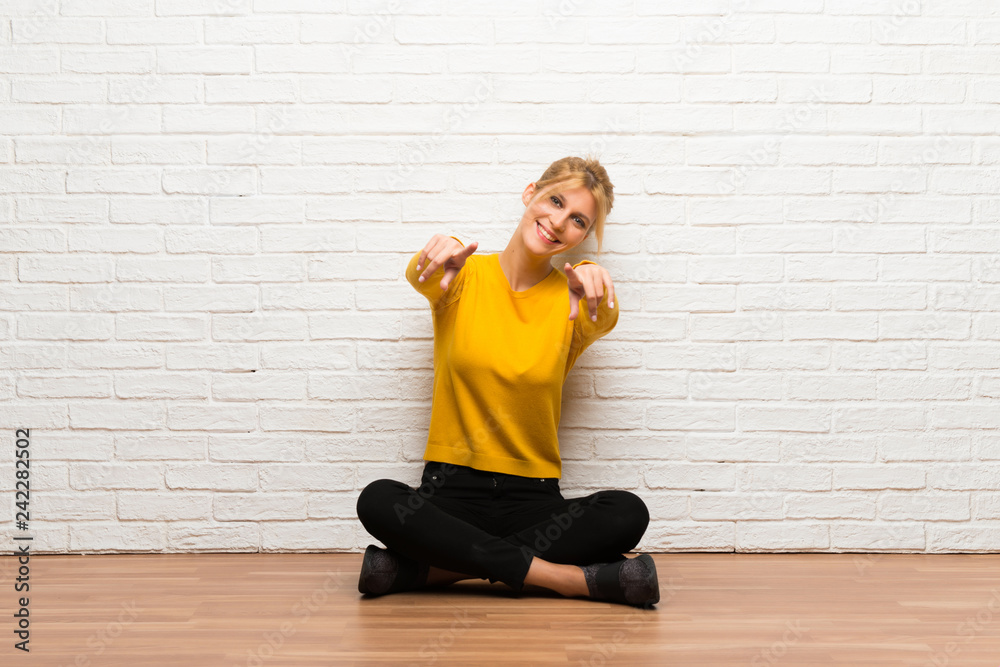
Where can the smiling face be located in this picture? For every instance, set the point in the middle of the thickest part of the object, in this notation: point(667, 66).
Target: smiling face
point(565, 215)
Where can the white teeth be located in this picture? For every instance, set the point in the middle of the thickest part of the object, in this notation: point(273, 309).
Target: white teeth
point(546, 234)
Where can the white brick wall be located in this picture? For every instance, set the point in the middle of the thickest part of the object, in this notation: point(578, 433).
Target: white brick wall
point(206, 207)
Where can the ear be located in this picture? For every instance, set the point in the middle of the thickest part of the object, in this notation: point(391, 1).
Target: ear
point(528, 193)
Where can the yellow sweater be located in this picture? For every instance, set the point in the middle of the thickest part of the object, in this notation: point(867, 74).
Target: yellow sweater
point(500, 360)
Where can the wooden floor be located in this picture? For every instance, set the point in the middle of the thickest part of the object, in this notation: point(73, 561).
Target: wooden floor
point(304, 609)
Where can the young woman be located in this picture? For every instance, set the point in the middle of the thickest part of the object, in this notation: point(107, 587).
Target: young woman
point(508, 328)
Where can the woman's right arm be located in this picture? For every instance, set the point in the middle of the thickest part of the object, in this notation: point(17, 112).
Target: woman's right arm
point(439, 276)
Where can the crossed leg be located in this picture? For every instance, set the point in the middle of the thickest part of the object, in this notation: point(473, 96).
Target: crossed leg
point(599, 527)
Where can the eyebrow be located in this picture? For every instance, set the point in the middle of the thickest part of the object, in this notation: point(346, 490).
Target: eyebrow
point(579, 213)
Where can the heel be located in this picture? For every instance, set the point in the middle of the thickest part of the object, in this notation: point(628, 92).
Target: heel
point(630, 581)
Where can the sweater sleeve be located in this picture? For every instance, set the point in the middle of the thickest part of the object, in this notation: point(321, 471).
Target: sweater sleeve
point(585, 330)
point(431, 287)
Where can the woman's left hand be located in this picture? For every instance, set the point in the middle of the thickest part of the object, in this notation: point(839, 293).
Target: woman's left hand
point(588, 281)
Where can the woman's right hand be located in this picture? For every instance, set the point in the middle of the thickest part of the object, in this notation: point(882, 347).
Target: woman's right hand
point(446, 251)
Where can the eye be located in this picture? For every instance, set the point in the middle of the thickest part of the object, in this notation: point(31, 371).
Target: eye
point(579, 220)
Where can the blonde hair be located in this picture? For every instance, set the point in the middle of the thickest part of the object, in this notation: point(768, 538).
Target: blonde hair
point(577, 172)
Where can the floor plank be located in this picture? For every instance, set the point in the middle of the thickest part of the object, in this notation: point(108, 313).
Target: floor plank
point(903, 610)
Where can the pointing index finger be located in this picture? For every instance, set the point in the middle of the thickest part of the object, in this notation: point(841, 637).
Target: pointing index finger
point(571, 275)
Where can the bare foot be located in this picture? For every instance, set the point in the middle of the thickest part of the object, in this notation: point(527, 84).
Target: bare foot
point(567, 580)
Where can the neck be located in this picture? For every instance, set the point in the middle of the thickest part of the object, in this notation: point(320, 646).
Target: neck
point(523, 270)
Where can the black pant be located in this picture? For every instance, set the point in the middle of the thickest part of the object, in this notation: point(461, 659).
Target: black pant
point(491, 525)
